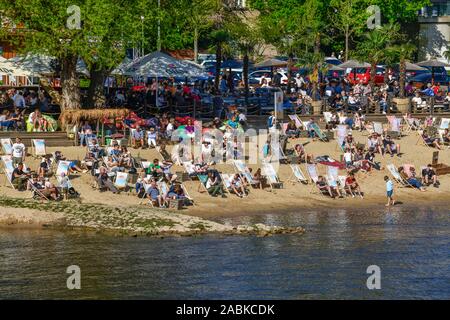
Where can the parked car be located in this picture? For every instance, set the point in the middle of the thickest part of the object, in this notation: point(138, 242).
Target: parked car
point(364, 75)
point(256, 76)
point(424, 77)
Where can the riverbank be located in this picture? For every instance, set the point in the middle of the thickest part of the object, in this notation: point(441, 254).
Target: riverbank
point(293, 196)
point(134, 221)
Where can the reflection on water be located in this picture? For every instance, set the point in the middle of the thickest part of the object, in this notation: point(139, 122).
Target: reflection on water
point(329, 261)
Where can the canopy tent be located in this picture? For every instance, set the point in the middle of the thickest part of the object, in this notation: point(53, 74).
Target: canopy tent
point(39, 64)
point(120, 69)
point(331, 67)
point(9, 69)
point(161, 65)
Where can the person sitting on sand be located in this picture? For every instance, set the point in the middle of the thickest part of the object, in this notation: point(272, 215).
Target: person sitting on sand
point(176, 192)
point(322, 184)
point(390, 146)
point(446, 135)
point(300, 152)
point(348, 157)
point(375, 143)
point(50, 190)
point(258, 179)
point(351, 185)
point(19, 177)
point(370, 159)
point(349, 142)
point(105, 182)
point(432, 142)
point(429, 176)
point(238, 186)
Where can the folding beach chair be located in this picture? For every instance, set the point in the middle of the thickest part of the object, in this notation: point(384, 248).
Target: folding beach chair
point(421, 140)
point(6, 146)
point(441, 138)
point(36, 193)
point(298, 122)
point(271, 175)
point(203, 178)
point(121, 181)
point(313, 175)
point(333, 178)
point(243, 170)
point(38, 147)
point(327, 116)
point(378, 127)
point(8, 169)
point(190, 169)
point(319, 132)
point(298, 174)
point(226, 180)
point(63, 167)
point(445, 124)
point(396, 175)
point(341, 133)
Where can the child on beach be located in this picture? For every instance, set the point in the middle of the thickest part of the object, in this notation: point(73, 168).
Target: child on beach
point(389, 191)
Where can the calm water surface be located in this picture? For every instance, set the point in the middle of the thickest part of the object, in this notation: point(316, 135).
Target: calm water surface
point(412, 248)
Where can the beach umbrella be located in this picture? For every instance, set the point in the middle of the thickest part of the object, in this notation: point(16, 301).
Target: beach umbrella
point(433, 63)
point(354, 64)
point(413, 67)
point(271, 63)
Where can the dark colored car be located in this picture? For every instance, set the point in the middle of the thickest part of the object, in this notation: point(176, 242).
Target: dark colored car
point(440, 75)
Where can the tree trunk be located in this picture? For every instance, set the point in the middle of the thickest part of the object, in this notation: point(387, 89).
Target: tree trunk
point(218, 66)
point(373, 72)
point(196, 44)
point(70, 84)
point(245, 76)
point(96, 96)
point(317, 43)
point(289, 70)
point(346, 44)
point(402, 78)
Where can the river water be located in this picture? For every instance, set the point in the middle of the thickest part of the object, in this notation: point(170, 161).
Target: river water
point(411, 248)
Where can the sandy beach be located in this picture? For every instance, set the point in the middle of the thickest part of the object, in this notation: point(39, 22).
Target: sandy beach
point(293, 197)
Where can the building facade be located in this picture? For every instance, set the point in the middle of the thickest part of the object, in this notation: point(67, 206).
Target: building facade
point(434, 24)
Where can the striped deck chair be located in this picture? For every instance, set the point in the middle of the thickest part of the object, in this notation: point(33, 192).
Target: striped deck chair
point(226, 180)
point(298, 122)
point(341, 133)
point(8, 169)
point(203, 178)
point(298, 174)
point(38, 147)
point(6, 146)
point(271, 175)
point(319, 132)
point(63, 167)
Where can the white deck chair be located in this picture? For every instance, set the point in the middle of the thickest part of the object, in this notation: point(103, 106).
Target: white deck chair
point(394, 124)
point(314, 176)
point(333, 178)
point(327, 116)
point(121, 181)
point(396, 175)
point(8, 168)
point(271, 175)
point(378, 127)
point(243, 170)
point(6, 146)
point(445, 124)
point(226, 180)
point(341, 133)
point(38, 147)
point(63, 167)
point(298, 174)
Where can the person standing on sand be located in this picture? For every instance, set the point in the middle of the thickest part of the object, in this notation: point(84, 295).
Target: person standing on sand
point(389, 191)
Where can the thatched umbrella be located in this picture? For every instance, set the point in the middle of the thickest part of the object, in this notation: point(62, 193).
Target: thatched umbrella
point(74, 117)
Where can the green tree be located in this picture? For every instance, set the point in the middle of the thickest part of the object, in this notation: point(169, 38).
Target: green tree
point(401, 53)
